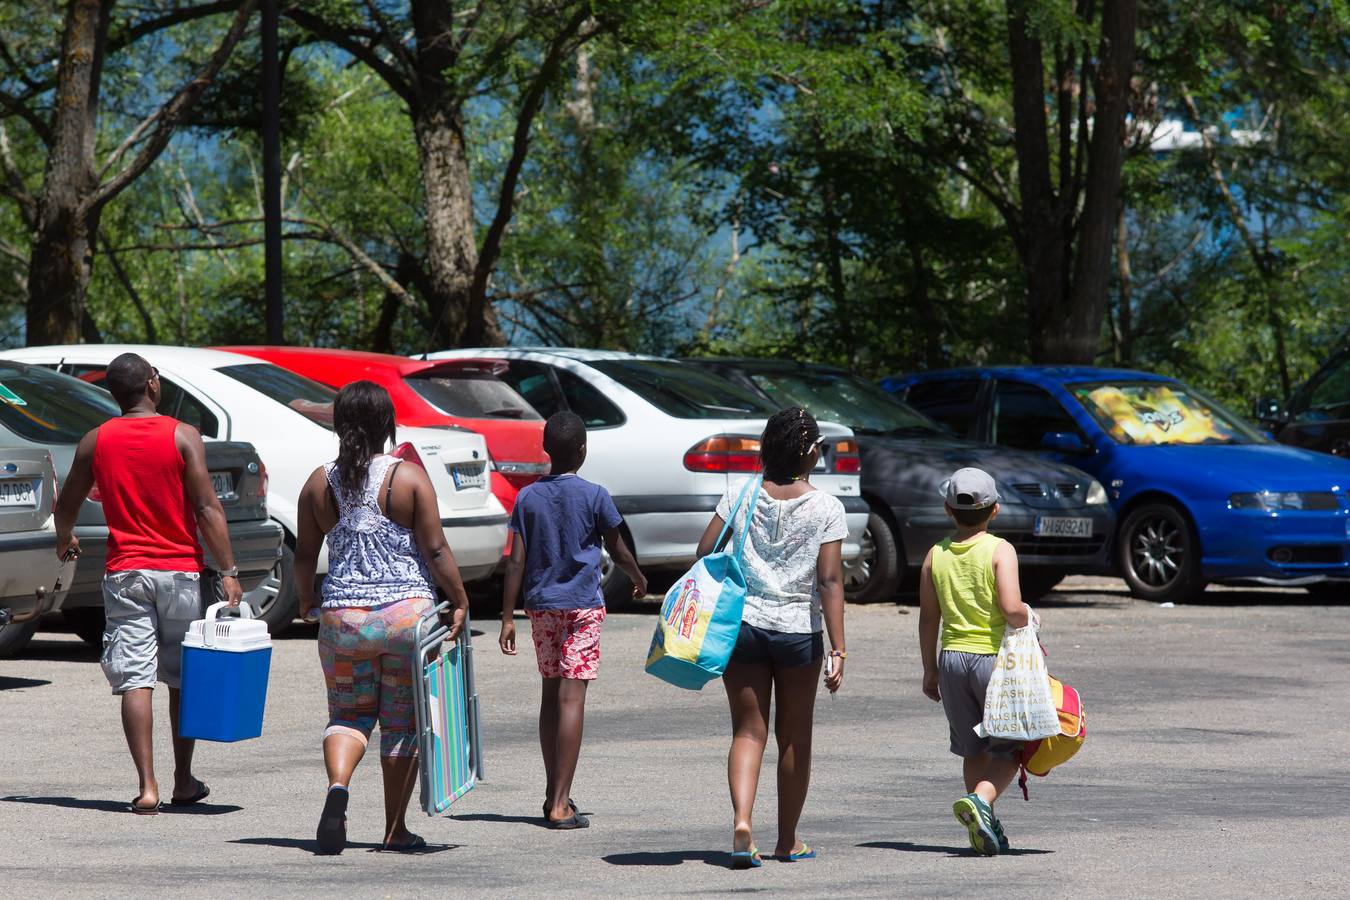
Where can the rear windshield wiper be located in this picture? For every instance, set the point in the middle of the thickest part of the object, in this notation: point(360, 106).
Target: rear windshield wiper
point(731, 409)
point(505, 412)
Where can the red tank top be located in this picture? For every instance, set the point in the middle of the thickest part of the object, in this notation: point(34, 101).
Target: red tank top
point(151, 520)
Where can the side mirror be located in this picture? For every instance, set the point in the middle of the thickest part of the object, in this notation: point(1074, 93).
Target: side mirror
point(1063, 442)
point(1267, 409)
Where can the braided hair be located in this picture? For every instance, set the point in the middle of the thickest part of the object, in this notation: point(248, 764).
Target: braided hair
point(363, 416)
point(787, 441)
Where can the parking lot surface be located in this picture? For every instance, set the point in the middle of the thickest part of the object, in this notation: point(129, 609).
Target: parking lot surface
point(1215, 764)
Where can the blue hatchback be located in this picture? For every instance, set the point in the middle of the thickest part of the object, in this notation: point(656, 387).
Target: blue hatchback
point(1199, 495)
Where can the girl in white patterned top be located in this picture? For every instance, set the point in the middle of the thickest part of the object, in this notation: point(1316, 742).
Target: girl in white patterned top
point(794, 582)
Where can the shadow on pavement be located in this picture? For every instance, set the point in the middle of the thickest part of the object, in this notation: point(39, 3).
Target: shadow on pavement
point(76, 650)
point(907, 847)
point(499, 818)
point(10, 684)
point(115, 806)
point(669, 858)
point(312, 848)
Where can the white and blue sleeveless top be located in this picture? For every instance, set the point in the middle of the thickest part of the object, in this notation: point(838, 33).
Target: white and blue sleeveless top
point(372, 560)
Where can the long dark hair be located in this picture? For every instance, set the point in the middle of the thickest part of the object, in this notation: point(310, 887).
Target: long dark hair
point(786, 442)
point(363, 416)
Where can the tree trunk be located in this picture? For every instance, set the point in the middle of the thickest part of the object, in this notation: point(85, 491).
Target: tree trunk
point(1125, 316)
point(1043, 247)
point(61, 260)
point(452, 251)
point(1077, 340)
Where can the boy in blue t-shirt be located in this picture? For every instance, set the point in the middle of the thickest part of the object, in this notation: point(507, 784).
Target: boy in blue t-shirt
point(558, 524)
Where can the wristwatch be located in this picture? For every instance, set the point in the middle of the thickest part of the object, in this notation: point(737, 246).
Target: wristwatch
point(231, 572)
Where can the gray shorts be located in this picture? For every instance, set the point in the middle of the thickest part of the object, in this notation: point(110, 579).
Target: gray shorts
point(148, 614)
point(962, 679)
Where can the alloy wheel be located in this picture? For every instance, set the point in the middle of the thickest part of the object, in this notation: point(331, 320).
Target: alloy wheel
point(263, 597)
point(858, 571)
point(1157, 551)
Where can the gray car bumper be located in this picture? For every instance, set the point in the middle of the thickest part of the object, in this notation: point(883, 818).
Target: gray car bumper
point(256, 544)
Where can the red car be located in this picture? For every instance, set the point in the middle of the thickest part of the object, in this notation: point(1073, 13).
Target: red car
point(438, 393)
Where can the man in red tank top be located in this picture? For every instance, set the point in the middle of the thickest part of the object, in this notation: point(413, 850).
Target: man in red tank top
point(157, 497)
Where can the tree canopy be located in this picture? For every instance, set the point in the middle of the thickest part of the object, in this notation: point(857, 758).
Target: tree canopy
point(886, 185)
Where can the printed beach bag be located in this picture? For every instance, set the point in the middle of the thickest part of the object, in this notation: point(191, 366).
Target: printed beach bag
point(701, 615)
point(1039, 757)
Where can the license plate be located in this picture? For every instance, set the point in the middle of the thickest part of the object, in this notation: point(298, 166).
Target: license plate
point(223, 482)
point(469, 475)
point(19, 493)
point(1053, 526)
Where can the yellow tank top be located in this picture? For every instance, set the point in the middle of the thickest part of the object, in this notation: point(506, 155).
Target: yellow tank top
point(963, 574)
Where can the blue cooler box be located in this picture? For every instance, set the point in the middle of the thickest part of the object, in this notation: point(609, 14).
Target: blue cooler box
point(225, 666)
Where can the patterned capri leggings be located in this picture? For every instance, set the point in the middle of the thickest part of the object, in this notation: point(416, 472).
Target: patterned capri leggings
point(367, 658)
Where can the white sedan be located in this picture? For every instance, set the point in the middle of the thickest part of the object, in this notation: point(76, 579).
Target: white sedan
point(665, 438)
point(288, 418)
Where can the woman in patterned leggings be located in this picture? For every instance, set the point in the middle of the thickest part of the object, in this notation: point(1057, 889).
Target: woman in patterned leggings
point(386, 554)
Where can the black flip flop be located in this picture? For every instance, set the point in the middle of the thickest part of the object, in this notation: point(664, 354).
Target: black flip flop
point(571, 823)
point(135, 807)
point(417, 843)
point(332, 833)
point(202, 793)
point(571, 804)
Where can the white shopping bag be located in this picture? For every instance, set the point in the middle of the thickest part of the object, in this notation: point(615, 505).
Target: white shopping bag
point(1018, 704)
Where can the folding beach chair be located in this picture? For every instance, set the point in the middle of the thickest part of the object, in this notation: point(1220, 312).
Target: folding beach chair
point(448, 740)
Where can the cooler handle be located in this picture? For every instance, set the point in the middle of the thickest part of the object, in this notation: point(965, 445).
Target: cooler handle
point(208, 632)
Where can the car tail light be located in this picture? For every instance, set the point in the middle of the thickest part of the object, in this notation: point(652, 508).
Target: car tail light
point(262, 479)
point(408, 453)
point(846, 458)
point(723, 453)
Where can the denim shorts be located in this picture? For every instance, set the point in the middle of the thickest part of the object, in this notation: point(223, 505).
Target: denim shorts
point(760, 646)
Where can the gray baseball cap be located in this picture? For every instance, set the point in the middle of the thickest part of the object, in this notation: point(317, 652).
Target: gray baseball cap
point(970, 488)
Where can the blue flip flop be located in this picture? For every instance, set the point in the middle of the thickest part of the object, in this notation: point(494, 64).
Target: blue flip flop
point(798, 855)
point(746, 859)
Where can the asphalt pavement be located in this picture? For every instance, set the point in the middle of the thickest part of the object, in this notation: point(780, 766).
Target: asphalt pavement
point(1215, 764)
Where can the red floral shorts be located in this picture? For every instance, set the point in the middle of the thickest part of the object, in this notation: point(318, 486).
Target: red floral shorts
point(567, 642)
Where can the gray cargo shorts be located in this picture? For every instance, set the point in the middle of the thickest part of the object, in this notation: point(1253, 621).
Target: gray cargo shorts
point(962, 679)
point(148, 614)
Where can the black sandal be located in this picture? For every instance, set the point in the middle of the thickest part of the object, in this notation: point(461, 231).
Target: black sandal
point(201, 793)
point(417, 842)
point(332, 833)
point(571, 823)
point(571, 804)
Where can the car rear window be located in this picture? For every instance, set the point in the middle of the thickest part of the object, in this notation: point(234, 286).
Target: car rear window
point(310, 399)
point(472, 395)
point(47, 408)
point(840, 397)
point(683, 391)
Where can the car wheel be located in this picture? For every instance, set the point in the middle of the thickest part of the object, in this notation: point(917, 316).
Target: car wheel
point(614, 582)
point(87, 622)
point(275, 600)
point(874, 575)
point(1159, 554)
point(1330, 591)
point(15, 638)
point(1036, 583)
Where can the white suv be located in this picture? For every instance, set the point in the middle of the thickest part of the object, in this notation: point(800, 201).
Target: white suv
point(665, 438)
point(288, 418)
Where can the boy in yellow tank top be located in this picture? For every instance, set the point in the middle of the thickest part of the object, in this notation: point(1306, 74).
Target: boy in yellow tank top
point(969, 588)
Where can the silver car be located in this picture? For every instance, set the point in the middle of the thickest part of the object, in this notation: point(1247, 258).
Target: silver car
point(56, 411)
point(28, 564)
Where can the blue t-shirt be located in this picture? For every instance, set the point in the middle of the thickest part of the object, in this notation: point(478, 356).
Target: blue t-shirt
point(562, 520)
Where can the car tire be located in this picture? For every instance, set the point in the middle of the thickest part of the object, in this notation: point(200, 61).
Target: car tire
point(87, 622)
point(275, 601)
point(874, 576)
point(1159, 554)
point(614, 583)
point(1330, 591)
point(1037, 582)
point(14, 639)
